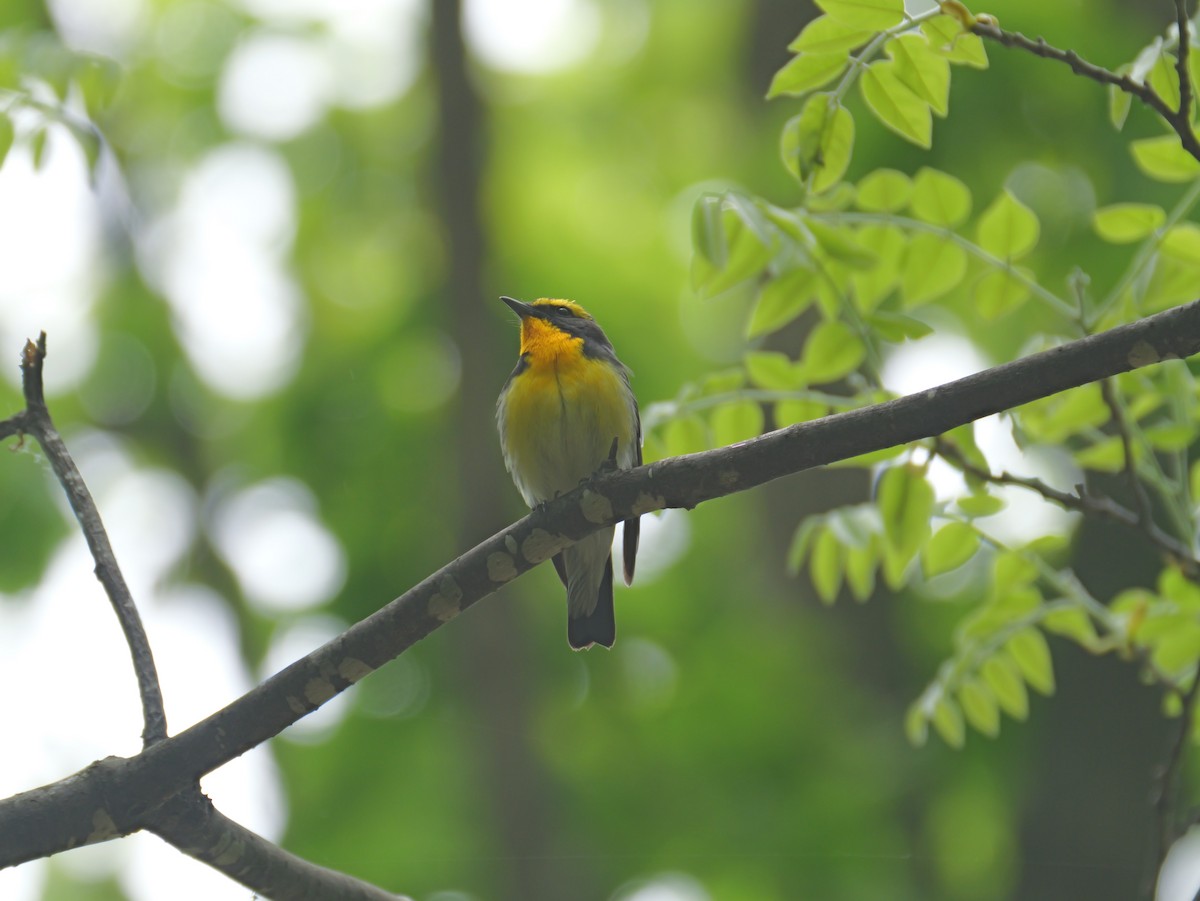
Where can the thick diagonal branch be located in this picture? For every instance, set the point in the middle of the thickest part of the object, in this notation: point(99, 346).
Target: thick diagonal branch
point(121, 793)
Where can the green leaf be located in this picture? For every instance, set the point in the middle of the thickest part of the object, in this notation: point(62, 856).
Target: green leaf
point(1000, 674)
point(897, 327)
point(869, 15)
point(685, 435)
point(1008, 229)
point(745, 260)
point(922, 71)
point(1071, 623)
point(916, 725)
point(1170, 437)
point(1032, 655)
point(831, 352)
point(801, 541)
point(884, 190)
point(826, 35)
point(948, 721)
point(818, 143)
point(1182, 242)
point(708, 231)
point(979, 704)
point(905, 501)
point(861, 563)
point(946, 36)
point(887, 243)
point(807, 72)
point(1124, 223)
point(999, 291)
point(1164, 159)
point(1012, 571)
point(840, 244)
point(789, 412)
point(773, 370)
point(950, 547)
point(1119, 103)
point(1106, 455)
point(979, 505)
point(825, 566)
point(895, 105)
point(737, 421)
point(940, 199)
point(934, 265)
point(780, 301)
point(1165, 80)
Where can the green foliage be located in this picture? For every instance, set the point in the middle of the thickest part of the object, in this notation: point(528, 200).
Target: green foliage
point(876, 259)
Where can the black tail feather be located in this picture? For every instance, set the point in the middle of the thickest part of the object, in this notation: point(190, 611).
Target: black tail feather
point(599, 626)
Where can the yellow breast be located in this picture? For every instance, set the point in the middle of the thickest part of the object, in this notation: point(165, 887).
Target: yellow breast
point(560, 415)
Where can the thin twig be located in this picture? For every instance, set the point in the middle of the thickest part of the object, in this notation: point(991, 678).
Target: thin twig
point(36, 421)
point(1140, 499)
point(1087, 504)
point(1182, 49)
point(1177, 119)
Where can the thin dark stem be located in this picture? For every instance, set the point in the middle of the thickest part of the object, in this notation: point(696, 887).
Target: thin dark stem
point(1140, 500)
point(1087, 504)
point(36, 421)
point(1179, 119)
point(1184, 113)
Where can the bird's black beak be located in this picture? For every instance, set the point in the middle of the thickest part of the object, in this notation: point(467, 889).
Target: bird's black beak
point(521, 309)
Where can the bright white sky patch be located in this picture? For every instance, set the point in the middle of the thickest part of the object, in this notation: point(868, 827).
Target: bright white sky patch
point(1179, 878)
point(666, 887)
point(942, 357)
point(107, 27)
point(531, 36)
point(220, 258)
point(282, 555)
point(50, 256)
point(274, 86)
point(370, 47)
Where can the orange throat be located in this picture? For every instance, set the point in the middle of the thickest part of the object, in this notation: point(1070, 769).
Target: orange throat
point(544, 343)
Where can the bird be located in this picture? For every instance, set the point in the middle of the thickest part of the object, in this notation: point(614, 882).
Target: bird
point(564, 410)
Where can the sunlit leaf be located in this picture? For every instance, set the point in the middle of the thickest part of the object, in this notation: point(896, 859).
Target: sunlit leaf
point(884, 190)
point(1124, 223)
point(948, 721)
point(780, 301)
point(905, 501)
point(916, 725)
point(860, 566)
point(827, 35)
point(1071, 623)
point(999, 291)
point(933, 266)
point(895, 105)
point(1164, 159)
point(841, 244)
point(708, 230)
point(950, 547)
point(773, 370)
point(940, 199)
point(1182, 242)
point(887, 243)
point(685, 435)
point(921, 70)
point(869, 15)
point(734, 422)
point(831, 352)
point(979, 705)
point(1165, 80)
point(946, 36)
point(897, 327)
point(979, 505)
point(1002, 677)
point(807, 72)
point(1008, 229)
point(825, 566)
point(1032, 655)
point(818, 143)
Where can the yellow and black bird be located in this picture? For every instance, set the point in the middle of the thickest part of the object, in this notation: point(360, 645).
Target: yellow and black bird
point(559, 413)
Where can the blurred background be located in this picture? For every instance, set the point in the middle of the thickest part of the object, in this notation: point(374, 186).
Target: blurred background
point(275, 347)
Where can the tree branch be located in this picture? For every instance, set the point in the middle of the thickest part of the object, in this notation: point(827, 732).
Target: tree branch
point(1179, 120)
point(115, 796)
point(191, 823)
point(36, 421)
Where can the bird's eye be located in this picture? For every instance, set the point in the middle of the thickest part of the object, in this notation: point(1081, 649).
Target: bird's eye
point(562, 311)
